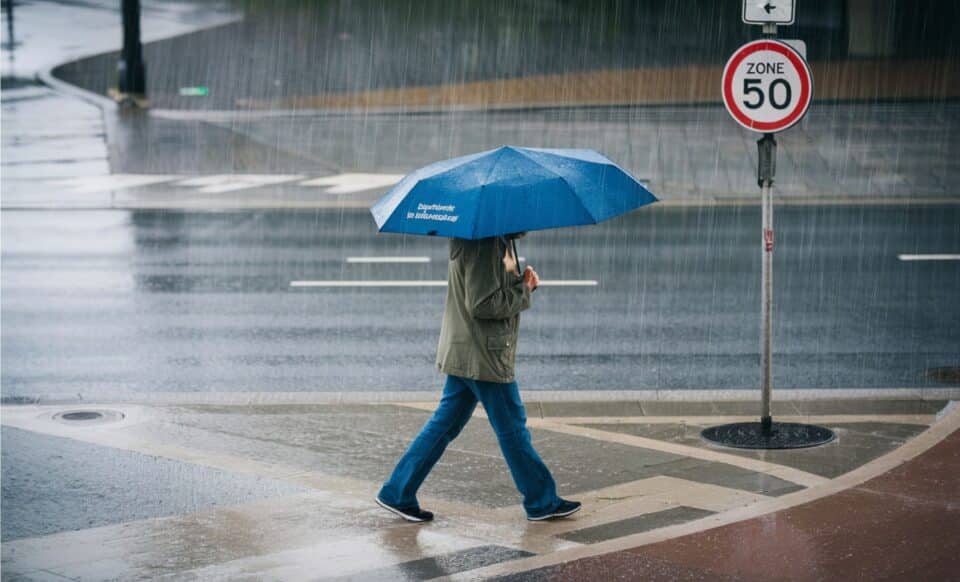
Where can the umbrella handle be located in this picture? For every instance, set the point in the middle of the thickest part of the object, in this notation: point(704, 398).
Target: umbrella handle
point(516, 257)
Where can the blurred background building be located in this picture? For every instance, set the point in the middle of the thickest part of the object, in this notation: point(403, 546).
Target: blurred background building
point(481, 53)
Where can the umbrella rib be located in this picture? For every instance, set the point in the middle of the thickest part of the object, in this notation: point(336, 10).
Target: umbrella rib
point(492, 167)
point(483, 184)
point(462, 161)
point(473, 225)
point(569, 185)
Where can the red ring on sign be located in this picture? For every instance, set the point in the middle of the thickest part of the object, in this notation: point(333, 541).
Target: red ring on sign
point(802, 71)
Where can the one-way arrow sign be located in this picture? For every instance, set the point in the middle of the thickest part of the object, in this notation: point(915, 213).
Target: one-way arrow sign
point(768, 11)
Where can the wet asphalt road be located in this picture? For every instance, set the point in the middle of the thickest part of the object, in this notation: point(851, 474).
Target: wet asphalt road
point(53, 484)
point(98, 302)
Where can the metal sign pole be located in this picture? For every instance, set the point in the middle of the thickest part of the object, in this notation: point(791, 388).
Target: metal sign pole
point(766, 168)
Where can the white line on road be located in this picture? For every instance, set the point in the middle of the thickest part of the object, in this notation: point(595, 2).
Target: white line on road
point(929, 257)
point(368, 283)
point(232, 182)
point(350, 183)
point(570, 283)
point(401, 283)
point(388, 259)
point(91, 184)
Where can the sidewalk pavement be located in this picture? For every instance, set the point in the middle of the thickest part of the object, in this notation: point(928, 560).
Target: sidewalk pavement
point(901, 524)
point(659, 503)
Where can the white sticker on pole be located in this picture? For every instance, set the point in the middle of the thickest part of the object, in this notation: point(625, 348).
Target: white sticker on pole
point(767, 86)
point(768, 11)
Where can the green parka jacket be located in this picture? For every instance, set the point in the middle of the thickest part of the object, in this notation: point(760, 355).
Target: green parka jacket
point(478, 338)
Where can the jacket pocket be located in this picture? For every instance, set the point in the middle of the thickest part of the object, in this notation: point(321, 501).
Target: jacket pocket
point(500, 347)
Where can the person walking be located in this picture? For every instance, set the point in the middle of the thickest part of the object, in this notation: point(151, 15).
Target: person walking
point(477, 352)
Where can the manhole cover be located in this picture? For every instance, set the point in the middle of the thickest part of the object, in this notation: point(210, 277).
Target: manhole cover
point(84, 415)
point(782, 435)
point(88, 417)
point(945, 375)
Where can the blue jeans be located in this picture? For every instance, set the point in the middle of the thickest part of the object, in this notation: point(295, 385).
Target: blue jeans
point(509, 420)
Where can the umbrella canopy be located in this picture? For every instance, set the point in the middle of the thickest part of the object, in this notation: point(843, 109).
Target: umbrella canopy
point(509, 189)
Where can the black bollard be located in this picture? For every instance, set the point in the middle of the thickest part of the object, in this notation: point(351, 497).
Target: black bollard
point(130, 69)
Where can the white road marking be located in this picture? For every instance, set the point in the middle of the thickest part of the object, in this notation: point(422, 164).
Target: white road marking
point(929, 257)
point(231, 182)
point(396, 283)
point(570, 283)
point(350, 183)
point(402, 283)
point(89, 184)
point(388, 259)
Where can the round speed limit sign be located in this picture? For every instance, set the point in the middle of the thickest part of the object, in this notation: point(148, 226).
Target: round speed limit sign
point(767, 86)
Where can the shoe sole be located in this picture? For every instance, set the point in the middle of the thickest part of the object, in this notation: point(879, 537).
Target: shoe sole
point(552, 515)
point(398, 512)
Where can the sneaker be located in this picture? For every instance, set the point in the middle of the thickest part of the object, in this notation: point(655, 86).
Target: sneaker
point(566, 508)
point(407, 513)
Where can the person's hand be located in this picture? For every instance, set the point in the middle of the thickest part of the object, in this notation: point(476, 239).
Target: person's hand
point(509, 262)
point(531, 279)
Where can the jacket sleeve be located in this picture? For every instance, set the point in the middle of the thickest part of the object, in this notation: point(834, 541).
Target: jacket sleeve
point(490, 291)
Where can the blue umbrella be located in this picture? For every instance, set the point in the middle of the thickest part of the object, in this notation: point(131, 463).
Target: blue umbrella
point(507, 190)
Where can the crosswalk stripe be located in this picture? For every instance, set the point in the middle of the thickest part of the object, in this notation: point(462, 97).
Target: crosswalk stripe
point(212, 184)
point(90, 184)
point(350, 183)
point(232, 182)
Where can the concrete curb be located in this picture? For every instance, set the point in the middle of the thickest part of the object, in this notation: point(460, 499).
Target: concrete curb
point(46, 76)
point(358, 397)
point(105, 103)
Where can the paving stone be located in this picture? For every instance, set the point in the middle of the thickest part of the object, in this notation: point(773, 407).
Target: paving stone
point(640, 523)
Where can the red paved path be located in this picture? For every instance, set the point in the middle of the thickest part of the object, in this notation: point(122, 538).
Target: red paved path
point(902, 525)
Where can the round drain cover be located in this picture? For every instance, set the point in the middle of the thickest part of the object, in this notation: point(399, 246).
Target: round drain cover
point(782, 435)
point(82, 415)
point(88, 417)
